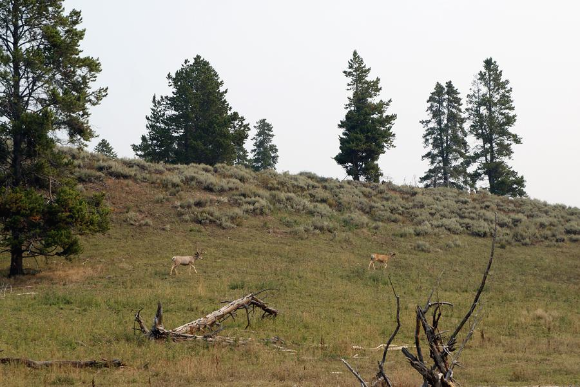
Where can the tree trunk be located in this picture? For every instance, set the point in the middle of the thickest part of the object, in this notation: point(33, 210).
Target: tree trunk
point(16, 266)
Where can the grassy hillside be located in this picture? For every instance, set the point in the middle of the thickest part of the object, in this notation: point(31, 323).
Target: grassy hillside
point(310, 238)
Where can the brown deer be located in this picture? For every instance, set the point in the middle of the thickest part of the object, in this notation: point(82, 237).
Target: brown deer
point(188, 260)
point(381, 258)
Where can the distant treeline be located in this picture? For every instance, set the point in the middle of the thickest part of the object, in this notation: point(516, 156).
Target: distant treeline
point(196, 124)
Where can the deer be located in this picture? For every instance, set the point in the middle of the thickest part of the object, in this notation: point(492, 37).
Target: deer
point(384, 258)
point(187, 260)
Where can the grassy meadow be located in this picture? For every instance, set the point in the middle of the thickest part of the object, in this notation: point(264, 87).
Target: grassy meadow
point(310, 238)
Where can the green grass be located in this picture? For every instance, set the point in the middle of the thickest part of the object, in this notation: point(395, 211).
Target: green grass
point(327, 298)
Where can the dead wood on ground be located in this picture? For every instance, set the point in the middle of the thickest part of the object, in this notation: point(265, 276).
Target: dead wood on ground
point(114, 363)
point(209, 325)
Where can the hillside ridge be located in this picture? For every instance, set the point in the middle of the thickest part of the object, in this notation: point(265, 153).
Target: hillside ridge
point(325, 204)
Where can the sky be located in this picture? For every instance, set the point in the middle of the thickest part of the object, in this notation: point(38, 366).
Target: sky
point(283, 61)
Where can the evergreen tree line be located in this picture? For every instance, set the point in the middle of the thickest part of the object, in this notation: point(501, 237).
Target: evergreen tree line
point(195, 124)
point(489, 115)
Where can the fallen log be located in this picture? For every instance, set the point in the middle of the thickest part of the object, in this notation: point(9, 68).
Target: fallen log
point(114, 363)
point(204, 324)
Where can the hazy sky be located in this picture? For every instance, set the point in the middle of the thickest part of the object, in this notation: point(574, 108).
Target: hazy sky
point(283, 61)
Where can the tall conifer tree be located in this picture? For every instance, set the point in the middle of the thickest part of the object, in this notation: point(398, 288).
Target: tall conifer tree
point(195, 123)
point(445, 138)
point(265, 152)
point(491, 114)
point(45, 90)
point(366, 127)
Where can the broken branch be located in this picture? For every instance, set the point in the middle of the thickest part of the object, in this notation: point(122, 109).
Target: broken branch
point(187, 331)
point(60, 363)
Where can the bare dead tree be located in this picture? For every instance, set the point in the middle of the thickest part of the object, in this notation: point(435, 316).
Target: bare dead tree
point(440, 372)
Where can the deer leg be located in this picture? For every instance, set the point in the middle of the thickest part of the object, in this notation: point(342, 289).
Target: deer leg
point(171, 271)
point(370, 263)
point(194, 269)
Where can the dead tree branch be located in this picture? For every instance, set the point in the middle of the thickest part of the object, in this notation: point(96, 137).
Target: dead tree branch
point(440, 374)
point(208, 323)
point(452, 338)
point(356, 374)
point(381, 373)
point(114, 363)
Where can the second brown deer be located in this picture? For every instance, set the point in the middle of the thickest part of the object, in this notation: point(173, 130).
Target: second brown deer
point(380, 258)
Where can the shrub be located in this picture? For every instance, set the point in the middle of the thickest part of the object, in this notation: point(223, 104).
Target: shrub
point(404, 232)
point(572, 228)
point(323, 226)
point(289, 222)
point(299, 232)
point(450, 225)
point(355, 220)
point(160, 199)
point(422, 246)
point(256, 206)
point(476, 227)
point(525, 233)
point(453, 243)
point(545, 222)
point(240, 173)
point(171, 181)
point(517, 219)
point(88, 175)
point(423, 229)
point(119, 171)
point(136, 219)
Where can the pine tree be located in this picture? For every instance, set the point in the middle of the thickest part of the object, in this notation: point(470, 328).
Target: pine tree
point(445, 137)
point(366, 127)
point(45, 89)
point(105, 148)
point(195, 123)
point(158, 146)
point(265, 153)
point(491, 114)
point(240, 133)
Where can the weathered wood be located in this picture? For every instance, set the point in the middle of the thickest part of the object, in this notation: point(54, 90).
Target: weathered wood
point(356, 374)
point(452, 338)
point(440, 372)
point(381, 374)
point(216, 317)
point(114, 363)
point(204, 324)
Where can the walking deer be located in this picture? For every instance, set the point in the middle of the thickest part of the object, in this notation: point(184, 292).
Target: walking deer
point(188, 260)
point(381, 258)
